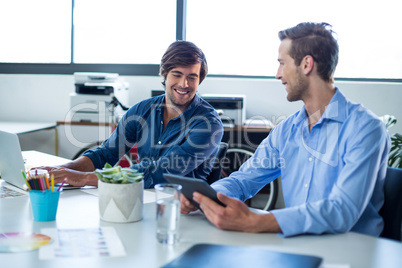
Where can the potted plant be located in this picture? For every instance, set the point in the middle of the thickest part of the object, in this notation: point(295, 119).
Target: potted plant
point(395, 154)
point(120, 194)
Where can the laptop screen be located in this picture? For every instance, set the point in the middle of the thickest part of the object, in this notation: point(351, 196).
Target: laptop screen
point(11, 161)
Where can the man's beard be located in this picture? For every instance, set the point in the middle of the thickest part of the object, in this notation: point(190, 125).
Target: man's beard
point(298, 90)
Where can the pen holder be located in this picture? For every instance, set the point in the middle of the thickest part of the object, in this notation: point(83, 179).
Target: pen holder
point(44, 204)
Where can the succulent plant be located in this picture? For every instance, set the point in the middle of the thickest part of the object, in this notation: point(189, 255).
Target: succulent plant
point(118, 174)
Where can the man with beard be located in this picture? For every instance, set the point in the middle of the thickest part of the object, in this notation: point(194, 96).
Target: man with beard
point(177, 133)
point(331, 155)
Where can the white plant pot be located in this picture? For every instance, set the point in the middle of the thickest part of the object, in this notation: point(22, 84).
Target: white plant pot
point(120, 202)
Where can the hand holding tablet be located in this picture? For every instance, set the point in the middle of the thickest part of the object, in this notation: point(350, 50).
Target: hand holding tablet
point(191, 185)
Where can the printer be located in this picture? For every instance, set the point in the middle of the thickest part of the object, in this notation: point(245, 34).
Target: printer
point(93, 95)
point(231, 108)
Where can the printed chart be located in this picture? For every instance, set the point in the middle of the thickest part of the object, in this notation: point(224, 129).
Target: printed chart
point(82, 243)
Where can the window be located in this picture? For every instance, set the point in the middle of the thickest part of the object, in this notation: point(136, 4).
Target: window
point(241, 37)
point(35, 31)
point(119, 31)
point(238, 37)
point(123, 31)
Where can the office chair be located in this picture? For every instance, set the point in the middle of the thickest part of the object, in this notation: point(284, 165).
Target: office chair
point(391, 211)
point(217, 167)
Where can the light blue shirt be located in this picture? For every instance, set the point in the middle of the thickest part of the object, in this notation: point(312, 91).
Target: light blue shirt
point(332, 176)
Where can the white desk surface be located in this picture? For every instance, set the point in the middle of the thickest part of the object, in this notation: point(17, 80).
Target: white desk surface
point(25, 127)
point(78, 209)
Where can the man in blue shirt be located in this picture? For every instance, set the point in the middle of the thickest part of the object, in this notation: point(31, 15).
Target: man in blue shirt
point(331, 155)
point(176, 133)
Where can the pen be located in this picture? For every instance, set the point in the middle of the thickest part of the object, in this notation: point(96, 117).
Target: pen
point(61, 185)
point(26, 181)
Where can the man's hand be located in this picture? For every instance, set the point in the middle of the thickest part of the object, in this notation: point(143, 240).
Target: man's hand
point(235, 216)
point(186, 206)
point(74, 177)
point(78, 172)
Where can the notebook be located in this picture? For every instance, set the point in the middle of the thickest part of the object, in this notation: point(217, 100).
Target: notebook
point(218, 256)
point(11, 161)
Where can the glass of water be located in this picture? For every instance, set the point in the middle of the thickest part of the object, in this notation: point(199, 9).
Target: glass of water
point(168, 212)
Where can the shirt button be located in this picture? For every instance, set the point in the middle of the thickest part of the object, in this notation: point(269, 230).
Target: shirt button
point(310, 159)
point(306, 185)
point(159, 142)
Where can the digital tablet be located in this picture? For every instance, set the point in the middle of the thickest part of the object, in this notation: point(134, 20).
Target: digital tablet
point(191, 185)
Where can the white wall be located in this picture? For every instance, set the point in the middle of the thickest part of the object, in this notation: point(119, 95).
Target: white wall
point(45, 98)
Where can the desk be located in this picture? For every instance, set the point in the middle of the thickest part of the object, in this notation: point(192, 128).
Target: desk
point(74, 136)
point(28, 127)
point(246, 137)
point(25, 127)
point(78, 209)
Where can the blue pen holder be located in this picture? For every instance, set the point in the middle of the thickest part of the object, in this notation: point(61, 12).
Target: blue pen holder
point(44, 204)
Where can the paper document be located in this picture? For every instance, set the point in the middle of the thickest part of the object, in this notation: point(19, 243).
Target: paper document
point(82, 243)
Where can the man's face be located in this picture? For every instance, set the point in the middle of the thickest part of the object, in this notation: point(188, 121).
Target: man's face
point(290, 74)
point(181, 85)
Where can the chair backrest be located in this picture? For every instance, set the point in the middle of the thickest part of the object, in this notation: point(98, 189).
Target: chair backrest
point(392, 208)
point(217, 167)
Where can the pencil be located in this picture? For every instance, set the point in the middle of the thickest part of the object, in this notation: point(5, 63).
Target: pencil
point(26, 181)
point(52, 178)
point(47, 182)
point(36, 183)
point(40, 181)
point(61, 185)
point(43, 179)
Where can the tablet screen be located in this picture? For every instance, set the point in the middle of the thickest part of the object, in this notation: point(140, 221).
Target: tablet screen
point(191, 185)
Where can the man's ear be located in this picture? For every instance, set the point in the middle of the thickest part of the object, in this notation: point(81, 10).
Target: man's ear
point(308, 64)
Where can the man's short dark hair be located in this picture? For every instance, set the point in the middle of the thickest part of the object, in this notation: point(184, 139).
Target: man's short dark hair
point(316, 40)
point(182, 53)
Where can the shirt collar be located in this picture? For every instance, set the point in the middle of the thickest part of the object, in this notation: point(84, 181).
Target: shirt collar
point(336, 108)
point(334, 111)
point(301, 116)
point(188, 112)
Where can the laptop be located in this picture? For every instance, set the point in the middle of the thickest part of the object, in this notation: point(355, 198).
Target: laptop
point(11, 161)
